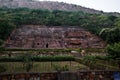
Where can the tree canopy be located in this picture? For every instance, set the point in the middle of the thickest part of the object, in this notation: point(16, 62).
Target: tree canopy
point(111, 35)
point(114, 51)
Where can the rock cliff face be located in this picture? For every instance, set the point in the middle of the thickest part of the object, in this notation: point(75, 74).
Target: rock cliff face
point(36, 36)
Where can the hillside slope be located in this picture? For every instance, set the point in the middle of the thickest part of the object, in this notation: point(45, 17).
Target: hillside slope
point(48, 5)
point(15, 15)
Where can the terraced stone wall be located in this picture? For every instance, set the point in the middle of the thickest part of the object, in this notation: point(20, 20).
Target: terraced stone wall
point(36, 36)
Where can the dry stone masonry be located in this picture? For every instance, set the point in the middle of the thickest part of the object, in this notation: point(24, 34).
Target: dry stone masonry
point(37, 36)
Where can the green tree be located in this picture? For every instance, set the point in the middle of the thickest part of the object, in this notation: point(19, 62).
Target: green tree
point(117, 22)
point(5, 29)
point(113, 51)
point(111, 35)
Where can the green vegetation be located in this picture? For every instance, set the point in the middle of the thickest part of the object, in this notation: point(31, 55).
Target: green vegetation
point(11, 67)
point(2, 68)
point(110, 61)
point(111, 35)
point(113, 51)
point(36, 58)
point(98, 62)
point(27, 61)
point(107, 26)
point(61, 68)
point(5, 29)
point(10, 18)
point(43, 50)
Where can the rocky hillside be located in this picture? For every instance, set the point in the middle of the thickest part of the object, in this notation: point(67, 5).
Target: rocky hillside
point(47, 5)
point(38, 36)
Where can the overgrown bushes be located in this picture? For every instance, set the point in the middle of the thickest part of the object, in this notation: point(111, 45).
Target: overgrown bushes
point(111, 35)
point(98, 62)
point(38, 58)
point(61, 68)
point(113, 51)
point(2, 68)
point(44, 50)
point(53, 58)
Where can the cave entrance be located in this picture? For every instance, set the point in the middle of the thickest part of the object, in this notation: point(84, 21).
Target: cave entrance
point(47, 45)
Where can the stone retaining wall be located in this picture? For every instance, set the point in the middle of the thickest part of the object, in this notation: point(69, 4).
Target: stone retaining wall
point(79, 75)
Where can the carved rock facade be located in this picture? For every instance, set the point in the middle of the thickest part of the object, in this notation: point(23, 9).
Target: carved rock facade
point(36, 36)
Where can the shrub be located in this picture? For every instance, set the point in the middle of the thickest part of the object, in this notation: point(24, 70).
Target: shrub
point(26, 58)
point(113, 51)
point(2, 68)
point(61, 68)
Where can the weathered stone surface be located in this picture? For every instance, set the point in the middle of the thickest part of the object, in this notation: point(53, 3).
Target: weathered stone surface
point(36, 36)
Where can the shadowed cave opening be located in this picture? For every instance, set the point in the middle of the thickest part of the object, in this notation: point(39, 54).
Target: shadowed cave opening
point(47, 45)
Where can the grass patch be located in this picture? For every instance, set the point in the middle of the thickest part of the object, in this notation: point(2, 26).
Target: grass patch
point(42, 66)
